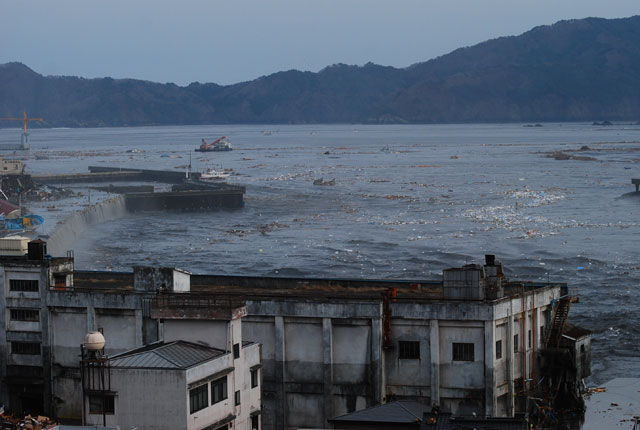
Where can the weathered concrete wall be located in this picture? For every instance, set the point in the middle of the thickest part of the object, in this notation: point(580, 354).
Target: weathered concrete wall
point(211, 333)
point(161, 393)
point(66, 233)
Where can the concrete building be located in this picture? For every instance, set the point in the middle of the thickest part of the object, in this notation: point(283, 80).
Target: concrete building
point(467, 342)
point(179, 385)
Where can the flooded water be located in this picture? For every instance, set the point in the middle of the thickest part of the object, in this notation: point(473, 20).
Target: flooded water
point(408, 201)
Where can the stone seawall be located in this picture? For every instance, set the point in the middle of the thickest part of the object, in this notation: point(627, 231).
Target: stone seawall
point(67, 232)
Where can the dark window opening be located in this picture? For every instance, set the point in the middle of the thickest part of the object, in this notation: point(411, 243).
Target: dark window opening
point(254, 378)
point(237, 398)
point(498, 349)
point(515, 343)
point(26, 348)
point(218, 390)
point(236, 350)
point(25, 315)
point(409, 350)
point(529, 338)
point(541, 335)
point(97, 401)
point(463, 352)
point(60, 280)
point(29, 285)
point(255, 422)
point(198, 398)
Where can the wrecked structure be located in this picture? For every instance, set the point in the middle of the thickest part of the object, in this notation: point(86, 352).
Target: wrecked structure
point(468, 342)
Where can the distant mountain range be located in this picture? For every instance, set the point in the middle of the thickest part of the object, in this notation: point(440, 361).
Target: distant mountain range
point(578, 70)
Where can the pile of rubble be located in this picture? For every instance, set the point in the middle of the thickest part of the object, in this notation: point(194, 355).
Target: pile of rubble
point(40, 422)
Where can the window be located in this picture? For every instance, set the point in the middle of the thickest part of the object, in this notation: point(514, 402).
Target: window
point(409, 350)
point(529, 338)
point(236, 350)
point(463, 352)
point(254, 378)
point(60, 280)
point(23, 285)
point(498, 349)
point(541, 335)
point(237, 398)
point(218, 390)
point(26, 348)
point(255, 422)
point(198, 398)
point(97, 401)
point(515, 343)
point(25, 315)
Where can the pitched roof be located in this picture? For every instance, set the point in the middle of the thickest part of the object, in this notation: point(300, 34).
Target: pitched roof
point(173, 355)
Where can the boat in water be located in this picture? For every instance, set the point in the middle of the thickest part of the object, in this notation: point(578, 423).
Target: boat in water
point(218, 145)
point(214, 175)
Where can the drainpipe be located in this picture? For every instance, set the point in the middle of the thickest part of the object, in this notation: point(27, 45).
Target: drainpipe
point(533, 335)
point(524, 344)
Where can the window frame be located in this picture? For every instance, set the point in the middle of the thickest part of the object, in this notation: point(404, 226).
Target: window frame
point(219, 390)
point(498, 349)
point(255, 380)
point(236, 351)
point(516, 343)
point(26, 348)
point(109, 404)
point(463, 351)
point(22, 314)
point(24, 285)
point(409, 350)
point(196, 400)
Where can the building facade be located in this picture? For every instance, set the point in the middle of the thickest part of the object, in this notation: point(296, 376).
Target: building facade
point(468, 342)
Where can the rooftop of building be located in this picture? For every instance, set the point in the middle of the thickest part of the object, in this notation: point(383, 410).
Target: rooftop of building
point(406, 413)
point(179, 355)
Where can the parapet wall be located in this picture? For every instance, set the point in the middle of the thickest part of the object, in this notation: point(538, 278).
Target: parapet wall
point(67, 232)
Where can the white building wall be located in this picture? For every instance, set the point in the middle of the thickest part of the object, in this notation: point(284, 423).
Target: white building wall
point(157, 392)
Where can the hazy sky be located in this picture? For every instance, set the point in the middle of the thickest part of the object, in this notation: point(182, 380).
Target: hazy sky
point(236, 40)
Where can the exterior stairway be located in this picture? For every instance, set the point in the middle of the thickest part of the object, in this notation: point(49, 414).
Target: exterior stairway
point(558, 320)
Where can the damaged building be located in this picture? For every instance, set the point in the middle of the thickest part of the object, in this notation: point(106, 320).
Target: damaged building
point(469, 342)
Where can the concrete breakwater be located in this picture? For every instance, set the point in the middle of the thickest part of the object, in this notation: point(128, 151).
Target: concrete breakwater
point(69, 230)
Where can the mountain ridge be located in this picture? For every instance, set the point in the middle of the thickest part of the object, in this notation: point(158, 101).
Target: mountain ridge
point(573, 70)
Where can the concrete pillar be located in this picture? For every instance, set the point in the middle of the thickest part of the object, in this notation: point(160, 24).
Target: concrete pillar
point(510, 363)
point(490, 400)
point(279, 373)
point(434, 343)
point(378, 372)
point(327, 373)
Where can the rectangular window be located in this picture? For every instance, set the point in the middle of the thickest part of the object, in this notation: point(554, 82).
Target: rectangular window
point(255, 422)
point(29, 285)
point(529, 338)
point(498, 349)
point(219, 390)
point(25, 315)
point(236, 350)
point(96, 403)
point(59, 280)
point(26, 348)
point(542, 335)
point(254, 378)
point(463, 352)
point(515, 343)
point(237, 398)
point(409, 350)
point(198, 398)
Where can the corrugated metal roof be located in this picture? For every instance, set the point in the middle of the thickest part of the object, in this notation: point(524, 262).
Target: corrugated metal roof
point(174, 355)
point(394, 412)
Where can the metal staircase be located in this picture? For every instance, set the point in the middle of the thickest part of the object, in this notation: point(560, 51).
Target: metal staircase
point(558, 320)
